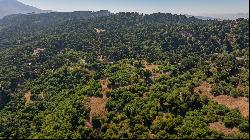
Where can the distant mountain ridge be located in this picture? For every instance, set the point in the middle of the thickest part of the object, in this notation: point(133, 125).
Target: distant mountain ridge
point(203, 17)
point(9, 7)
point(229, 16)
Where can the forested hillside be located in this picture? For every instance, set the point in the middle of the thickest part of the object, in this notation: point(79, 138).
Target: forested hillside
point(124, 75)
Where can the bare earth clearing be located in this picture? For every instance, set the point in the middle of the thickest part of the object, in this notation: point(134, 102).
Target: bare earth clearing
point(240, 103)
point(154, 69)
point(98, 105)
point(220, 127)
point(27, 97)
point(151, 67)
point(99, 30)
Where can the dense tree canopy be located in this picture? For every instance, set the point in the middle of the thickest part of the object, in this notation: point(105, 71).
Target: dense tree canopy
point(142, 68)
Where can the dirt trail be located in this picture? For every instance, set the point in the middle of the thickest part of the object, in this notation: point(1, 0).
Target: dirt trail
point(240, 103)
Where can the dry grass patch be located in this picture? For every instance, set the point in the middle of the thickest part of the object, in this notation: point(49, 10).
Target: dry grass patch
point(37, 51)
point(97, 105)
point(101, 58)
point(155, 70)
point(104, 84)
point(27, 97)
point(204, 89)
point(41, 95)
point(243, 88)
point(240, 103)
point(151, 67)
point(220, 127)
point(99, 30)
point(88, 124)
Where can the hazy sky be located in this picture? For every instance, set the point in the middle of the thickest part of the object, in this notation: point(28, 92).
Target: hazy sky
point(194, 7)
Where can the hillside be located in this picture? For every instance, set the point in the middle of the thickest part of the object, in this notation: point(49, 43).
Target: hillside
point(9, 7)
point(125, 75)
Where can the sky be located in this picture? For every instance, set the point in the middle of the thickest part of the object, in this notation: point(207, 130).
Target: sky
point(192, 7)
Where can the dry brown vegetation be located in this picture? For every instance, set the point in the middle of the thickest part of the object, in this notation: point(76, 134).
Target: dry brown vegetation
point(41, 95)
point(154, 69)
point(38, 51)
point(27, 97)
point(88, 124)
point(100, 30)
point(101, 58)
point(220, 127)
point(243, 88)
point(97, 105)
point(240, 103)
point(105, 88)
point(150, 67)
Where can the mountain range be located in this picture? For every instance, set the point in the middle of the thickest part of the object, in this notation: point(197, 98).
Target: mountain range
point(231, 16)
point(225, 16)
point(9, 7)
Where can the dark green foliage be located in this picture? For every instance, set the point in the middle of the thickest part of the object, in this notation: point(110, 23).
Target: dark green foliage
point(244, 126)
point(232, 119)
